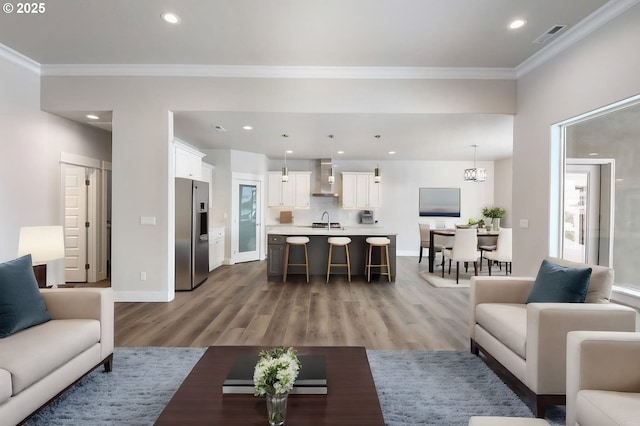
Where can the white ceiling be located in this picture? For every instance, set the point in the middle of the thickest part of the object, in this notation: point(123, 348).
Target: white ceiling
point(443, 34)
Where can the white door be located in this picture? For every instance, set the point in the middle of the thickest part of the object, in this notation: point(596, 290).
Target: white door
point(582, 213)
point(247, 214)
point(75, 218)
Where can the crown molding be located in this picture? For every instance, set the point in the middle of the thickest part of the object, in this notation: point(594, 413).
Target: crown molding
point(19, 59)
point(251, 71)
point(573, 35)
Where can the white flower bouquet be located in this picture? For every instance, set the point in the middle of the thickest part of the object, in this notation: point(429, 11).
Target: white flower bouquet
point(276, 371)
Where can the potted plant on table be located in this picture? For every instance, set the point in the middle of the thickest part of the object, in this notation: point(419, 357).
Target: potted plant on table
point(495, 214)
point(274, 376)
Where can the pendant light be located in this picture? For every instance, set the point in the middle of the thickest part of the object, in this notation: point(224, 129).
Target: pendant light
point(475, 174)
point(285, 171)
point(376, 173)
point(331, 177)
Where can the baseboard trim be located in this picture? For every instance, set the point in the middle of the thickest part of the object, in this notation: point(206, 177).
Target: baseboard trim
point(143, 296)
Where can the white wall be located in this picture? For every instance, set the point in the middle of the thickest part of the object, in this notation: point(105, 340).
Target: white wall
point(599, 70)
point(503, 188)
point(31, 143)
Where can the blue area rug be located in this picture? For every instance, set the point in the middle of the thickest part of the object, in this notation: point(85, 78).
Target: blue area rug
point(414, 387)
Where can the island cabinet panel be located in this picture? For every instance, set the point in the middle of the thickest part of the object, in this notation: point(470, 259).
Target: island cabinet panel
point(318, 248)
point(359, 190)
point(275, 255)
point(296, 192)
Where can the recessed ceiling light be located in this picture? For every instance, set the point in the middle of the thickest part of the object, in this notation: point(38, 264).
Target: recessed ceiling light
point(517, 23)
point(392, 152)
point(289, 151)
point(619, 179)
point(171, 18)
point(218, 128)
point(593, 154)
point(340, 152)
point(247, 127)
point(92, 117)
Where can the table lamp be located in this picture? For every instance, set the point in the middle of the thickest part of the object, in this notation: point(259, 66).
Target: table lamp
point(44, 243)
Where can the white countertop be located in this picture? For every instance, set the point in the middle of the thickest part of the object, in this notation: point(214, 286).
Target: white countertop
point(346, 230)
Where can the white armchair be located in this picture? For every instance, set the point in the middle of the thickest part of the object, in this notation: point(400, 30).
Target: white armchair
point(603, 378)
point(529, 340)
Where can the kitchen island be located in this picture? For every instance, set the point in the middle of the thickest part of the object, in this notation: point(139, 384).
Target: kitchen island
point(318, 248)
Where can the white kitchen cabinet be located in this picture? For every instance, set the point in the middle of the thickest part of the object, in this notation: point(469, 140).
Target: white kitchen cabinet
point(188, 161)
point(302, 189)
point(294, 193)
point(359, 190)
point(216, 247)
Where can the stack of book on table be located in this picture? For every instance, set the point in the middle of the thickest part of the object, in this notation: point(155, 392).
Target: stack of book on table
point(312, 378)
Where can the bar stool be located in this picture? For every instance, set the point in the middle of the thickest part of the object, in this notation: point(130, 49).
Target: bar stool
point(339, 241)
point(383, 243)
point(296, 241)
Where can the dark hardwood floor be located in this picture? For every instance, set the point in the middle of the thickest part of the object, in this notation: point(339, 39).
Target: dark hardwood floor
point(238, 306)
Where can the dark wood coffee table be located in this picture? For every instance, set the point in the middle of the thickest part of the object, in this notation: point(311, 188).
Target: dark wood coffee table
point(351, 398)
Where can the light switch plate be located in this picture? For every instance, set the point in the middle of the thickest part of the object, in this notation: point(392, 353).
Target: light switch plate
point(524, 223)
point(147, 220)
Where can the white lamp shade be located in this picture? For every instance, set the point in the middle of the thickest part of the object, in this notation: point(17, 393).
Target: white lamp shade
point(44, 243)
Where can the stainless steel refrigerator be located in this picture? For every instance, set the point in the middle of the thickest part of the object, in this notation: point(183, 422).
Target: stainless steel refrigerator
point(192, 233)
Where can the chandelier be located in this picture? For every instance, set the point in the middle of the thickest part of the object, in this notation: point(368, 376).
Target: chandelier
point(475, 174)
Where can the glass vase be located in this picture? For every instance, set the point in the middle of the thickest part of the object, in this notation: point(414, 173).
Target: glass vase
point(277, 408)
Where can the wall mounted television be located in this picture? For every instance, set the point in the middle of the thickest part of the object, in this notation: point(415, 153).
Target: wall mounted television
point(439, 202)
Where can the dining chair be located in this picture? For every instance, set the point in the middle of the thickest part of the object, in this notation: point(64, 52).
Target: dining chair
point(502, 253)
point(424, 240)
point(465, 249)
point(486, 243)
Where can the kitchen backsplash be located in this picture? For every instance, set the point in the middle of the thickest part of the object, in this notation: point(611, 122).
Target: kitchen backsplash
point(306, 216)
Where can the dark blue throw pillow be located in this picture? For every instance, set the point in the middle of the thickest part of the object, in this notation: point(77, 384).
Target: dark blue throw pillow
point(21, 305)
point(560, 284)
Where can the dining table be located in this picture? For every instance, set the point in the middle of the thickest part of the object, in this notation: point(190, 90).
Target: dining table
point(450, 233)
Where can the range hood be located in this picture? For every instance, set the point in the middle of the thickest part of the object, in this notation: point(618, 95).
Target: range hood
point(322, 187)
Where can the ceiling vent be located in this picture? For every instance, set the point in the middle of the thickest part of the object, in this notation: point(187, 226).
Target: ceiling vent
point(549, 34)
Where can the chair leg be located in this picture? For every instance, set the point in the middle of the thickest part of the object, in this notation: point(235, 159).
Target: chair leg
point(489, 265)
point(449, 267)
point(346, 248)
point(481, 253)
point(457, 271)
point(420, 260)
point(475, 268)
point(329, 262)
point(386, 249)
point(306, 261)
point(286, 263)
point(442, 265)
point(369, 264)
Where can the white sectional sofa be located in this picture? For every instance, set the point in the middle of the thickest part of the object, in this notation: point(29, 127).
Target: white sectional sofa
point(40, 362)
point(527, 341)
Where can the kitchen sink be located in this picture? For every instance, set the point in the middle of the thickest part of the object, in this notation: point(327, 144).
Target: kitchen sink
point(324, 225)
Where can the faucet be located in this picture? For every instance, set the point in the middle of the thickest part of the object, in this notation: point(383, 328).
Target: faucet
point(328, 219)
